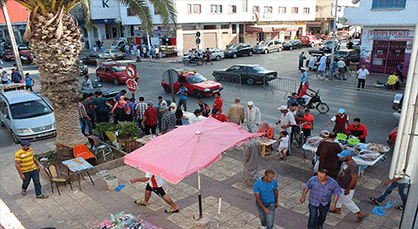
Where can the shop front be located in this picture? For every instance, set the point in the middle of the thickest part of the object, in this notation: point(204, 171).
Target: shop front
point(383, 50)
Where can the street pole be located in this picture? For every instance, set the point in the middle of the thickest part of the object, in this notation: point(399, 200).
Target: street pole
point(12, 40)
point(334, 33)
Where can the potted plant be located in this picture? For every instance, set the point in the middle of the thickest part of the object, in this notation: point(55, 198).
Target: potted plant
point(128, 130)
point(102, 128)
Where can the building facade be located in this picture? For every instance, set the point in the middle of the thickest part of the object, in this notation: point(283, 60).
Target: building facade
point(387, 33)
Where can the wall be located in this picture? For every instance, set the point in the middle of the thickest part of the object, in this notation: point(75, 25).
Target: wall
point(104, 9)
point(275, 16)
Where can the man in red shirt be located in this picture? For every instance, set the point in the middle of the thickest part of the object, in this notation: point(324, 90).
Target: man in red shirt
point(357, 129)
point(150, 119)
point(217, 115)
point(304, 93)
point(218, 102)
point(340, 120)
point(307, 123)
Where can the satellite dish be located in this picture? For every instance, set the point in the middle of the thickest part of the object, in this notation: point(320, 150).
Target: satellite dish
point(355, 1)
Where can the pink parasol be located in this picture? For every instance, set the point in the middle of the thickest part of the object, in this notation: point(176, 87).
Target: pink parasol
point(187, 149)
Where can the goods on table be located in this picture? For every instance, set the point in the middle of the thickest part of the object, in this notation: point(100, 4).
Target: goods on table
point(126, 221)
point(341, 136)
point(378, 147)
point(314, 141)
point(369, 155)
point(353, 141)
point(324, 134)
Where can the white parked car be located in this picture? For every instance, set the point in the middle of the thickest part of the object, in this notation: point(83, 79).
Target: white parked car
point(216, 54)
point(116, 54)
point(26, 115)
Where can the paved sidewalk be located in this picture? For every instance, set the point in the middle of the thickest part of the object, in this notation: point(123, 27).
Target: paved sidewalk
point(86, 208)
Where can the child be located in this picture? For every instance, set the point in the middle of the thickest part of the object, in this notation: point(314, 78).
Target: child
point(284, 145)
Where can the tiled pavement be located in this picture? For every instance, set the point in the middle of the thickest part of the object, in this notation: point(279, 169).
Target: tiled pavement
point(86, 208)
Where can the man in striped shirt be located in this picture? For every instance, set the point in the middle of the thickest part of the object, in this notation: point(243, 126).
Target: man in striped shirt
point(28, 168)
point(84, 118)
point(140, 111)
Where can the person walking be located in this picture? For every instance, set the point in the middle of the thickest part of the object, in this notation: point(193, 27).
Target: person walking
point(286, 121)
point(253, 117)
point(340, 119)
point(341, 69)
point(361, 77)
point(322, 63)
point(150, 119)
point(401, 183)
point(140, 111)
point(207, 57)
point(347, 179)
point(218, 102)
point(236, 112)
point(322, 189)
point(29, 81)
point(16, 77)
point(312, 63)
point(257, 49)
point(157, 52)
point(302, 57)
point(28, 168)
point(266, 198)
point(101, 106)
point(155, 184)
point(183, 96)
point(84, 119)
point(327, 155)
point(303, 78)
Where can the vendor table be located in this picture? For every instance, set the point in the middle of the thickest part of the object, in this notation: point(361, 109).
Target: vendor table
point(360, 162)
point(144, 140)
point(12, 86)
point(265, 145)
point(186, 115)
point(77, 166)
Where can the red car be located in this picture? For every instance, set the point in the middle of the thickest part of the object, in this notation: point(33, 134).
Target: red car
point(195, 83)
point(114, 72)
point(8, 55)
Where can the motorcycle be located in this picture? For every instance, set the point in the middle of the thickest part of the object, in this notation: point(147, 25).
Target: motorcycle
point(315, 102)
point(197, 60)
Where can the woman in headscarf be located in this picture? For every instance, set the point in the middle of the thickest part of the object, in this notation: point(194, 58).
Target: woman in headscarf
point(267, 130)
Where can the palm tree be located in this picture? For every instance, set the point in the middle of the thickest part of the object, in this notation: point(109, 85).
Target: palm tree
point(56, 42)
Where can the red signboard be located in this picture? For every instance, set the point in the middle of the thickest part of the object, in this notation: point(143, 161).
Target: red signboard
point(132, 85)
point(131, 71)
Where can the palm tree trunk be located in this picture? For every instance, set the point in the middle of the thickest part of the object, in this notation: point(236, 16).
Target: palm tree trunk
point(56, 43)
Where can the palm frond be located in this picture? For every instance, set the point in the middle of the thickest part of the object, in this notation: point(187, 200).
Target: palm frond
point(86, 6)
point(28, 4)
point(166, 10)
point(141, 9)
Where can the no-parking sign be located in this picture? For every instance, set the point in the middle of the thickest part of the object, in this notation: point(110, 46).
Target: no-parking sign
point(131, 71)
point(132, 85)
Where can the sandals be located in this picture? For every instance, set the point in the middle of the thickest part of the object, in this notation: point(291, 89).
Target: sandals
point(399, 207)
point(360, 218)
point(23, 192)
point(372, 199)
point(42, 197)
point(171, 211)
point(139, 202)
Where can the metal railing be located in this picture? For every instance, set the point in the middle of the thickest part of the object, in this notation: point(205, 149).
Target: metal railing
point(232, 79)
point(280, 84)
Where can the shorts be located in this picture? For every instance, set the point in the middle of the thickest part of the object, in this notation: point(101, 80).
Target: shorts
point(306, 132)
point(159, 191)
point(282, 149)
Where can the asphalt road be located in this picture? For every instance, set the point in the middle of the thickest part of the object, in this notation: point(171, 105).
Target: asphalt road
point(372, 105)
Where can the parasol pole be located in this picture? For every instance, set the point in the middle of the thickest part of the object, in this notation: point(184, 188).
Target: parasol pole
point(199, 195)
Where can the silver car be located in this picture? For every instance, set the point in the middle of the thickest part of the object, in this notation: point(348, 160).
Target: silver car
point(26, 115)
point(116, 54)
point(270, 46)
point(216, 54)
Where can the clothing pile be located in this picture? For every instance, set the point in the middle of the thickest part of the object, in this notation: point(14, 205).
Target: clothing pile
point(126, 221)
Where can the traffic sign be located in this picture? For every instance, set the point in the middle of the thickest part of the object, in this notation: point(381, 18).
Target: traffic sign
point(197, 40)
point(197, 34)
point(131, 71)
point(132, 85)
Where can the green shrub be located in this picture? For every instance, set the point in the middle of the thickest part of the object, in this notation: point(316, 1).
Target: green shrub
point(129, 128)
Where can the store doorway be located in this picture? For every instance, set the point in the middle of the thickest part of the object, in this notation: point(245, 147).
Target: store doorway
point(386, 55)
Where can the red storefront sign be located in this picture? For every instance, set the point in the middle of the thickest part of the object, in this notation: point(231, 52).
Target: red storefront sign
point(390, 35)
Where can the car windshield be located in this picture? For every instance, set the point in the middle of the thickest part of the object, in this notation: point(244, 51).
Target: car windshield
point(259, 68)
point(29, 109)
point(263, 43)
point(232, 46)
point(8, 53)
point(328, 43)
point(342, 53)
point(118, 68)
point(196, 78)
point(103, 55)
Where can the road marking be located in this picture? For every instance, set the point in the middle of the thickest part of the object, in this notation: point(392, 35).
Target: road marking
point(7, 219)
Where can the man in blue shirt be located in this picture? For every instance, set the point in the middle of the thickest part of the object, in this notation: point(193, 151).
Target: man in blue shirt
point(183, 96)
point(303, 78)
point(29, 82)
point(322, 188)
point(267, 200)
point(121, 93)
point(16, 77)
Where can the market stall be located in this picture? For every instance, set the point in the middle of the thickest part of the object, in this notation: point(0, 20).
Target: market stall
point(365, 154)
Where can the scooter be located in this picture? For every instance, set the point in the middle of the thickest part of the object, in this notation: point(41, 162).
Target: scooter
point(315, 102)
point(197, 60)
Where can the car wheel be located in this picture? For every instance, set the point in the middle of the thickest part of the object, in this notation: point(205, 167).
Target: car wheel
point(250, 53)
point(280, 49)
point(116, 81)
point(185, 62)
point(15, 138)
point(167, 89)
point(266, 51)
point(290, 48)
point(234, 55)
point(250, 81)
point(197, 93)
point(218, 58)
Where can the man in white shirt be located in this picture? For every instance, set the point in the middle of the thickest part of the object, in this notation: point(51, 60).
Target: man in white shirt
point(341, 68)
point(286, 121)
point(362, 76)
point(155, 184)
point(252, 118)
point(195, 117)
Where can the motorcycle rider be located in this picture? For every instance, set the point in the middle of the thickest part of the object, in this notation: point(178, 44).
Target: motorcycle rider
point(304, 93)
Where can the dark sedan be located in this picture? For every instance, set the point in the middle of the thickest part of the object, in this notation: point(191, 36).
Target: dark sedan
point(245, 73)
point(293, 44)
point(91, 57)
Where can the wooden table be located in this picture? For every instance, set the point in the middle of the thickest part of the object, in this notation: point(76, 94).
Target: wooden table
point(265, 145)
point(144, 140)
point(12, 86)
point(77, 166)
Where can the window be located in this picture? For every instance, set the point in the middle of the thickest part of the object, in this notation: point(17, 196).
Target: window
point(234, 29)
point(232, 9)
point(189, 8)
point(225, 26)
point(197, 9)
point(256, 9)
point(209, 27)
point(216, 9)
point(388, 4)
point(282, 10)
point(306, 10)
point(268, 9)
point(295, 10)
point(189, 27)
point(130, 12)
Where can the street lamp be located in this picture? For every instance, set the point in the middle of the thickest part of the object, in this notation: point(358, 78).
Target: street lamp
point(334, 33)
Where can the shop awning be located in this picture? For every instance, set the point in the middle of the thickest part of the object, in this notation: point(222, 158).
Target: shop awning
point(314, 24)
point(259, 28)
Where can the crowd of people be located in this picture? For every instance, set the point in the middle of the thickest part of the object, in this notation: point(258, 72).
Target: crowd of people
point(16, 77)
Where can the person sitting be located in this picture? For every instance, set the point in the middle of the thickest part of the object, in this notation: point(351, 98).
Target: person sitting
point(266, 130)
point(357, 130)
point(304, 93)
point(218, 116)
point(392, 82)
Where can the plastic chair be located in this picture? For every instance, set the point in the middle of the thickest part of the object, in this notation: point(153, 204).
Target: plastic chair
point(54, 177)
point(83, 152)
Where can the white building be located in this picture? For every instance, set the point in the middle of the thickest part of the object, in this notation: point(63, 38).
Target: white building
point(220, 22)
point(387, 34)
